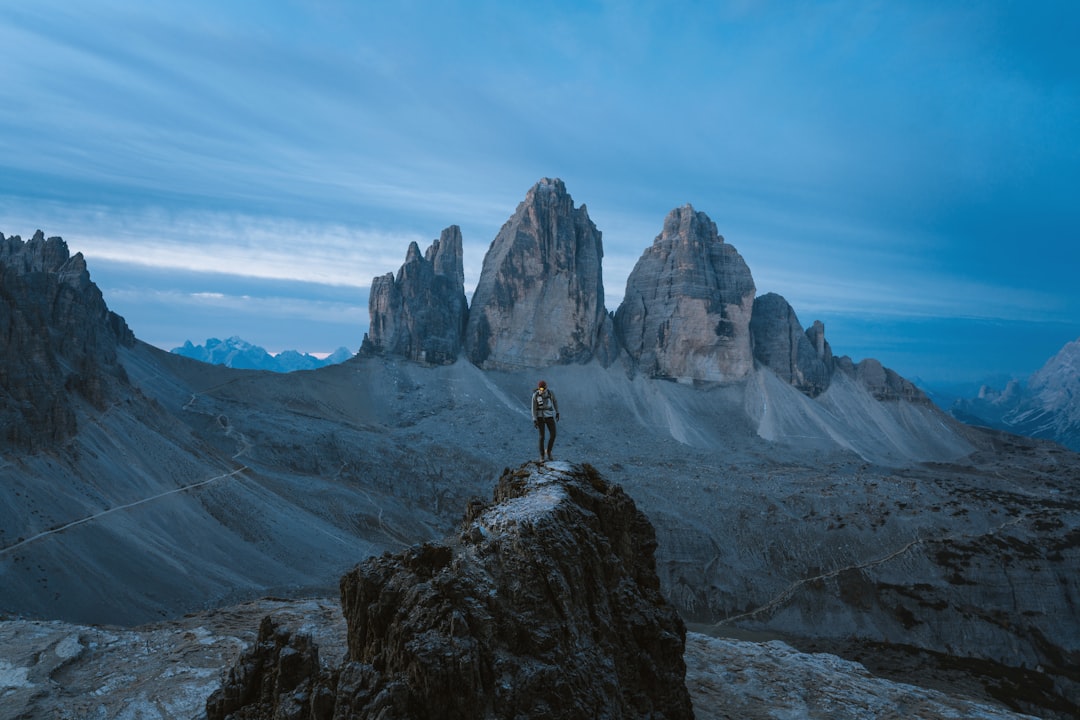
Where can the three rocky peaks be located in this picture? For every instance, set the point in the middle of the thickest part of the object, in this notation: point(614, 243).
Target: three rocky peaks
point(689, 312)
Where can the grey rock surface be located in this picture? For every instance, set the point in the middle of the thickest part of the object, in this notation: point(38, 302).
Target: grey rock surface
point(421, 313)
point(688, 302)
point(540, 297)
point(803, 359)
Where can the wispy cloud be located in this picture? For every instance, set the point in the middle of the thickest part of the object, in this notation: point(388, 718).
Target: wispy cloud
point(220, 243)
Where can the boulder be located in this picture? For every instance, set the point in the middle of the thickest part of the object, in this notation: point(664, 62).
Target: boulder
point(688, 302)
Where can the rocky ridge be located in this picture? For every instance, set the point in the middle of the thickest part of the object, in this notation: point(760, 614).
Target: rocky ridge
point(548, 606)
point(689, 311)
point(58, 341)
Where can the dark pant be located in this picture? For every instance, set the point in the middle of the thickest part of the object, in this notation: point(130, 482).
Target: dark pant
point(549, 423)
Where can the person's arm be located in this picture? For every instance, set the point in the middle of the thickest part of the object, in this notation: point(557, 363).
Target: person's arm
point(532, 407)
point(554, 404)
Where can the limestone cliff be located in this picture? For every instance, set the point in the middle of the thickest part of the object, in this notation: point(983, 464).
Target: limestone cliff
point(686, 311)
point(540, 297)
point(421, 314)
point(803, 359)
point(57, 337)
point(548, 606)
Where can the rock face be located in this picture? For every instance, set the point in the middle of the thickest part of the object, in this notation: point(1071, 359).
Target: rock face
point(548, 606)
point(56, 337)
point(686, 311)
point(540, 297)
point(421, 314)
point(803, 359)
point(885, 384)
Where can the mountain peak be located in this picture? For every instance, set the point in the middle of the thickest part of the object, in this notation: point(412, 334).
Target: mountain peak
point(235, 352)
point(421, 313)
point(540, 297)
point(688, 301)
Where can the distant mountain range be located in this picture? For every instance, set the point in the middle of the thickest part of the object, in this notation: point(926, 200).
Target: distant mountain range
point(236, 352)
point(1046, 406)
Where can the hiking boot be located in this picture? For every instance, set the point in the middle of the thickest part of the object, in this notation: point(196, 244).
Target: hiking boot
point(550, 456)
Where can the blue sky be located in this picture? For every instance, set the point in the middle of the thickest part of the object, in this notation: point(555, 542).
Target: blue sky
point(905, 172)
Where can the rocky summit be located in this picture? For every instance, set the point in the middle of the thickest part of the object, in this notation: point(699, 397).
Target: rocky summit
point(686, 311)
point(421, 313)
point(58, 341)
point(547, 606)
point(540, 297)
point(803, 359)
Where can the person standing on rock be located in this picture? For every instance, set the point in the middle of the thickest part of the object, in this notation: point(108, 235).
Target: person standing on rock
point(545, 413)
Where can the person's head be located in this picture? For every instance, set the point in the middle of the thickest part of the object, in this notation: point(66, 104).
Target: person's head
point(542, 384)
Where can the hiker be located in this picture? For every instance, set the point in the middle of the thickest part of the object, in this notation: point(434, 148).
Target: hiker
point(545, 413)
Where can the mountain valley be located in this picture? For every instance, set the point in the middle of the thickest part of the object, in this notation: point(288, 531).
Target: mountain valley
point(794, 493)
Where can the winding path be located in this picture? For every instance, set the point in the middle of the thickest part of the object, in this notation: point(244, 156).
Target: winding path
point(97, 515)
point(785, 594)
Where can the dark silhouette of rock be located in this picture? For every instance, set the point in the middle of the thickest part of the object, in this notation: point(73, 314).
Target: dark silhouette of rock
point(421, 314)
point(281, 671)
point(548, 606)
point(57, 338)
point(540, 297)
point(803, 359)
point(686, 311)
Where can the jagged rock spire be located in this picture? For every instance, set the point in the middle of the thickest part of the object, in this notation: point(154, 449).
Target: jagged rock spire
point(803, 359)
point(540, 297)
point(421, 314)
point(686, 311)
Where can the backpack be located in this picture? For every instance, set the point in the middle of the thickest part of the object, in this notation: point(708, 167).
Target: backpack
point(541, 398)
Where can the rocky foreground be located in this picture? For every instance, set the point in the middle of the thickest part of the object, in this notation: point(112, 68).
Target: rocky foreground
point(547, 605)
